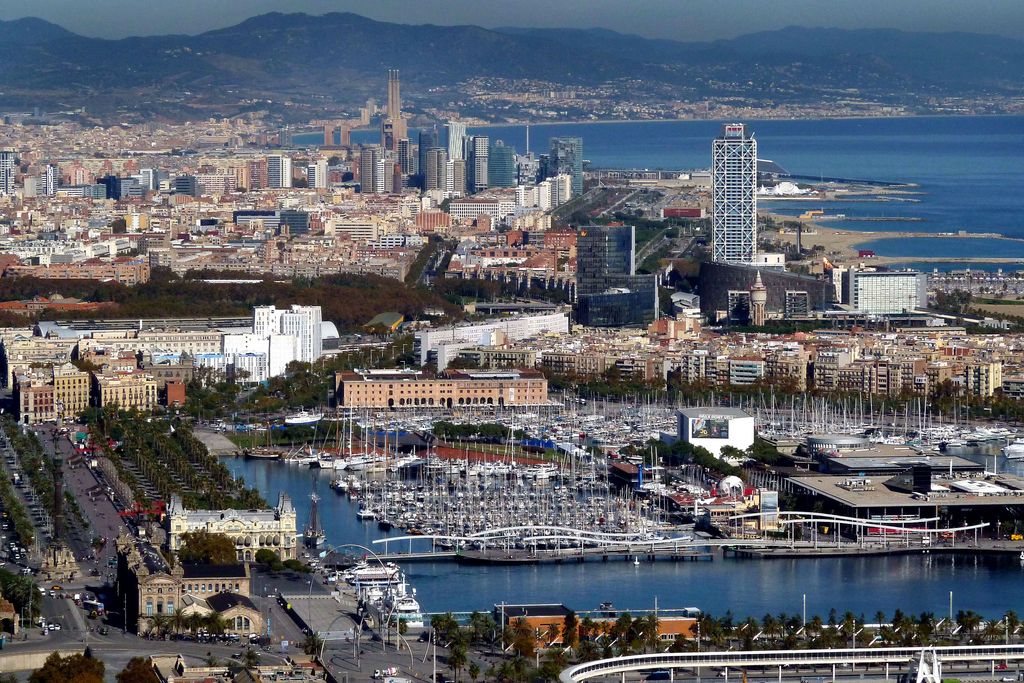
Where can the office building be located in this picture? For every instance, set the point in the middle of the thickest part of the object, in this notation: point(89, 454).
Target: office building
point(501, 166)
point(435, 169)
point(120, 188)
point(440, 345)
point(427, 141)
point(7, 171)
point(455, 177)
point(734, 196)
point(258, 173)
point(609, 291)
point(456, 134)
point(406, 159)
point(885, 292)
point(477, 153)
point(279, 171)
point(566, 157)
point(50, 180)
point(371, 166)
point(316, 175)
point(185, 184)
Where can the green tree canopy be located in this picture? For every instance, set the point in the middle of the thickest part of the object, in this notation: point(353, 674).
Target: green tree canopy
point(138, 670)
point(77, 668)
point(202, 547)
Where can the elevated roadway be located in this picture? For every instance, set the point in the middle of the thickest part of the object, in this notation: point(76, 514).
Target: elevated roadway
point(780, 659)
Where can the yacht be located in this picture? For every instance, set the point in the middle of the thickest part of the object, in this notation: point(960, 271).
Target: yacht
point(1014, 450)
point(303, 418)
point(398, 603)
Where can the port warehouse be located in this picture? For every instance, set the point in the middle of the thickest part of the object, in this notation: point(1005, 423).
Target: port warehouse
point(419, 389)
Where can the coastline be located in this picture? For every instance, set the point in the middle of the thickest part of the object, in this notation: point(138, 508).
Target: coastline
point(846, 117)
point(842, 245)
point(581, 122)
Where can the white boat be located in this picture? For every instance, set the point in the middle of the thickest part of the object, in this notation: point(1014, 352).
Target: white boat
point(303, 418)
point(360, 463)
point(1015, 450)
point(366, 574)
point(399, 604)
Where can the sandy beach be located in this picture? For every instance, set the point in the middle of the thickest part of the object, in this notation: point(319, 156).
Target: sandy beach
point(841, 245)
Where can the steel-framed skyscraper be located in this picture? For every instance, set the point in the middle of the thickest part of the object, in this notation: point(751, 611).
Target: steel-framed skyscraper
point(734, 196)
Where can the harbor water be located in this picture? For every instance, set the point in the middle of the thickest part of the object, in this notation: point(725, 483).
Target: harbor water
point(914, 583)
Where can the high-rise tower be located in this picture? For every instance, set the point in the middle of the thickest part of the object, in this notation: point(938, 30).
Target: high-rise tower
point(456, 133)
point(567, 157)
point(477, 162)
point(6, 171)
point(610, 293)
point(392, 125)
point(734, 196)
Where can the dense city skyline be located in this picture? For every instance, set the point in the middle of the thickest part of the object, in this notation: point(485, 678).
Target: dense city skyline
point(698, 20)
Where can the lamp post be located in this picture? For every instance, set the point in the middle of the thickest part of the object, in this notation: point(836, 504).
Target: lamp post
point(359, 631)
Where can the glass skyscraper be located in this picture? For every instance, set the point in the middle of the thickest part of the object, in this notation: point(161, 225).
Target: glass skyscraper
point(501, 166)
point(566, 156)
point(609, 292)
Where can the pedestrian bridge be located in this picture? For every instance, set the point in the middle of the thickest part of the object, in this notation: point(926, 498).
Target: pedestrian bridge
point(788, 658)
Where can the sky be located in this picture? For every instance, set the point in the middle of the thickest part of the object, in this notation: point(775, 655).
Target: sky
point(688, 20)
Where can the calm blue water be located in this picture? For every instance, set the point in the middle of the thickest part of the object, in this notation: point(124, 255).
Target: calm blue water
point(928, 267)
point(747, 587)
point(945, 246)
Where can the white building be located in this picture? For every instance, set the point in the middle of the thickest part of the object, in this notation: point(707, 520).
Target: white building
point(262, 356)
point(279, 171)
point(50, 180)
point(715, 428)
point(302, 322)
point(469, 208)
point(885, 292)
point(444, 342)
point(734, 196)
point(316, 175)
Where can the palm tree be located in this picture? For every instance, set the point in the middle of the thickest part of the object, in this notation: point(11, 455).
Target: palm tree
point(551, 634)
point(194, 622)
point(312, 644)
point(1012, 622)
point(178, 621)
point(215, 623)
point(250, 658)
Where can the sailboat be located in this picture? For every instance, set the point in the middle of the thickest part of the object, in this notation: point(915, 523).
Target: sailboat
point(314, 534)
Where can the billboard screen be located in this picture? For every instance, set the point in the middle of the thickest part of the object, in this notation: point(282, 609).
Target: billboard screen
point(709, 428)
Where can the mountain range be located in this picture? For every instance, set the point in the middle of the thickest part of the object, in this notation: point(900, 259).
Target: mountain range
point(339, 59)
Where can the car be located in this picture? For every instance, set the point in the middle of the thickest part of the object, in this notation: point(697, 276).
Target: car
point(54, 627)
point(55, 587)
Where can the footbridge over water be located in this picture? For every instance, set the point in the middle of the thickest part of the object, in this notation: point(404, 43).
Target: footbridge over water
point(928, 660)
